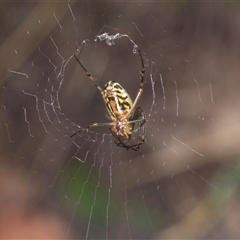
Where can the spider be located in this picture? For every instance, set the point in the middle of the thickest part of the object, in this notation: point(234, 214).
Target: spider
point(122, 111)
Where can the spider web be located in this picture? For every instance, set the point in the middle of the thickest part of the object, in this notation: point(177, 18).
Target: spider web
point(184, 180)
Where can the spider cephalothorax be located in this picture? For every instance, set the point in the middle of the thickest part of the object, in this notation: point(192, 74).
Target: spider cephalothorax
point(122, 111)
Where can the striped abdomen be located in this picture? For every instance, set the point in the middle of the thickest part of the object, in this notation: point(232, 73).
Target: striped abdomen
point(118, 101)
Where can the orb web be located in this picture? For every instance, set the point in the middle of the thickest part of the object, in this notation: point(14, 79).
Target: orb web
point(186, 173)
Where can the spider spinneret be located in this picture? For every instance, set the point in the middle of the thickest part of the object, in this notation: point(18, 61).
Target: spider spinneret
point(122, 111)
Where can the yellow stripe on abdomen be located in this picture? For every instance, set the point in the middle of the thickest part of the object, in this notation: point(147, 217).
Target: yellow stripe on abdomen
point(118, 101)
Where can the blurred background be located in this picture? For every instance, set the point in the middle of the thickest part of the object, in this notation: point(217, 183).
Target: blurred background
point(184, 180)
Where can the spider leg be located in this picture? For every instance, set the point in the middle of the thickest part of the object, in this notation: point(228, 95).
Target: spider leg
point(138, 116)
point(120, 143)
point(91, 78)
point(141, 85)
point(92, 125)
point(134, 147)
